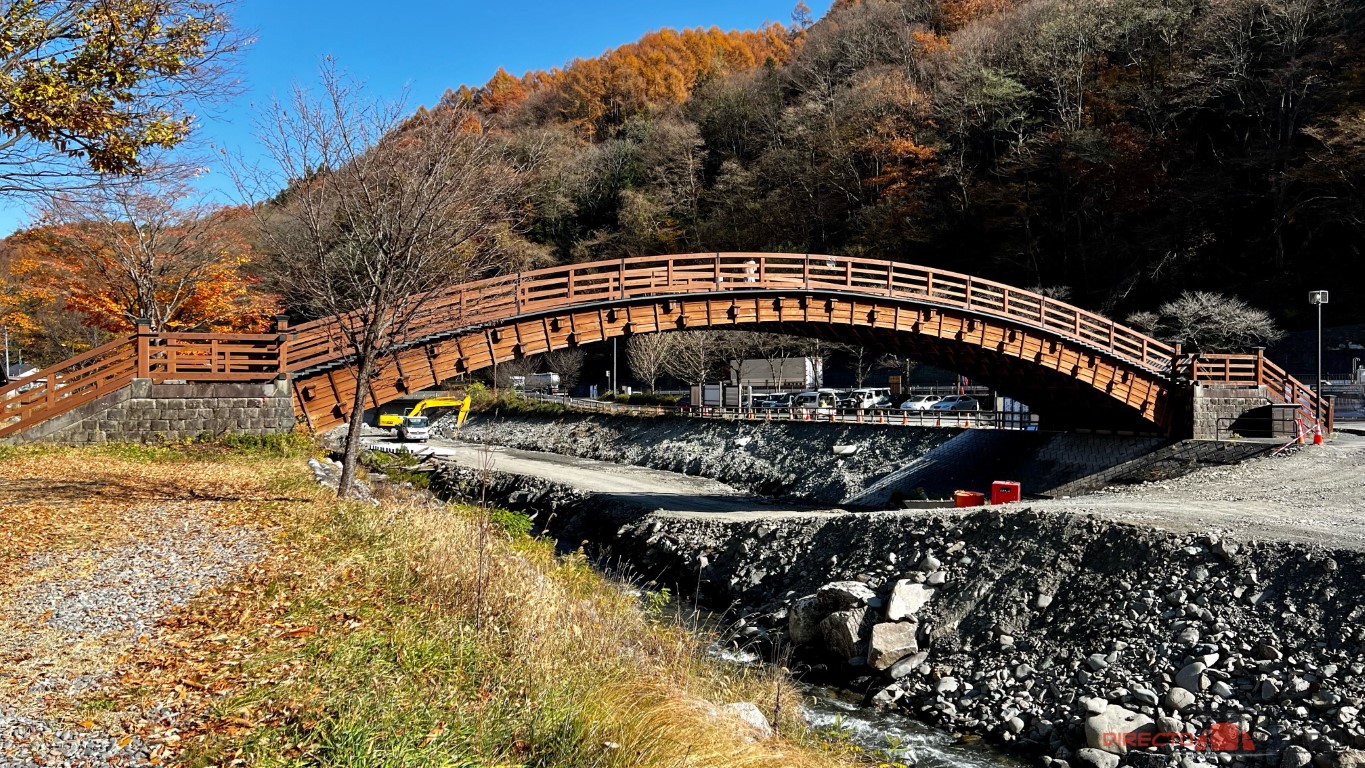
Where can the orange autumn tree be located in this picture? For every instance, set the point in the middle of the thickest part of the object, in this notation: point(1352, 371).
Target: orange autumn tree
point(144, 251)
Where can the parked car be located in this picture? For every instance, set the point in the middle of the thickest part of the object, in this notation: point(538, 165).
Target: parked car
point(822, 401)
point(957, 403)
point(774, 400)
point(920, 403)
point(871, 397)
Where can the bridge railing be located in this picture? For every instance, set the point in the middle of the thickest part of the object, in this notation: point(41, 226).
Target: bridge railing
point(238, 357)
point(1256, 371)
point(160, 357)
point(66, 385)
point(495, 299)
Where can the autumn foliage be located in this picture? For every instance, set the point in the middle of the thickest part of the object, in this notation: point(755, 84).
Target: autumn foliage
point(662, 68)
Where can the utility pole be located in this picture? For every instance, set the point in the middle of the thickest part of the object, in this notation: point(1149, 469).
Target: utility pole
point(1319, 298)
point(615, 382)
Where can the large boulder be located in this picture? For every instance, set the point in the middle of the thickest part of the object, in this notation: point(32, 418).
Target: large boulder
point(842, 632)
point(891, 642)
point(1109, 729)
point(842, 595)
point(907, 597)
point(803, 620)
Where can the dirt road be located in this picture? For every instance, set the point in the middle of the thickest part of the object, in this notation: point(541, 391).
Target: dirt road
point(650, 489)
point(1314, 495)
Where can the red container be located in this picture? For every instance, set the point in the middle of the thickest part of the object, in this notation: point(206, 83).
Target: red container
point(969, 499)
point(1005, 491)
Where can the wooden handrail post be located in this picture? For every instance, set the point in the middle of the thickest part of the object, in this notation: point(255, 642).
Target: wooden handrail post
point(805, 271)
point(282, 346)
point(144, 351)
point(516, 296)
point(718, 271)
point(621, 277)
point(1260, 366)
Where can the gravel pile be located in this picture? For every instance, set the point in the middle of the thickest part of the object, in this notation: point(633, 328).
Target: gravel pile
point(75, 612)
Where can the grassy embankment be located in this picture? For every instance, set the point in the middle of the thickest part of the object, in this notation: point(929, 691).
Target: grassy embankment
point(405, 633)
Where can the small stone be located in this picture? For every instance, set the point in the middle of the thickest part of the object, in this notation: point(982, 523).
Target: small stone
point(1015, 725)
point(930, 564)
point(947, 685)
point(1192, 677)
point(1107, 730)
point(1097, 662)
point(1145, 696)
point(1221, 689)
point(1042, 601)
point(753, 717)
point(1096, 758)
point(1179, 699)
point(1295, 757)
point(907, 665)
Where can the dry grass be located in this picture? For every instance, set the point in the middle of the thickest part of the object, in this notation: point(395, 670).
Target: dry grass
point(408, 633)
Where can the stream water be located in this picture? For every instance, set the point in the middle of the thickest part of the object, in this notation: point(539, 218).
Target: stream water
point(840, 714)
point(894, 735)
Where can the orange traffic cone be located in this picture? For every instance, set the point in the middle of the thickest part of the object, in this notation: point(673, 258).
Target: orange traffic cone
point(1317, 434)
point(1302, 433)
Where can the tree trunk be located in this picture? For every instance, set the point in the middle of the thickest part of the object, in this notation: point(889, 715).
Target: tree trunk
point(355, 427)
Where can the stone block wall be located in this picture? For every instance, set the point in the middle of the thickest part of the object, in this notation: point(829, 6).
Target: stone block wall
point(145, 412)
point(1217, 408)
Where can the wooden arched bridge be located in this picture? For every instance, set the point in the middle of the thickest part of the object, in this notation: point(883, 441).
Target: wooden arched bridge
point(1075, 368)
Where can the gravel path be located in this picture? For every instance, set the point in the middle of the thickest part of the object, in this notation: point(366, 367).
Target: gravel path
point(1315, 495)
point(70, 615)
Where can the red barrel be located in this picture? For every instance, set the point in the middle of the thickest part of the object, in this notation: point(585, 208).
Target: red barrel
point(969, 499)
point(1005, 491)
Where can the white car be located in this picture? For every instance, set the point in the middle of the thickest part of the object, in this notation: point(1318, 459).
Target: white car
point(415, 429)
point(920, 403)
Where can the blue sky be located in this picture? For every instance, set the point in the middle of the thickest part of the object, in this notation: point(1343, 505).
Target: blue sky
point(427, 46)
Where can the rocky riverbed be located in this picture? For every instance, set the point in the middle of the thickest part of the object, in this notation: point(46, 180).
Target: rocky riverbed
point(1080, 639)
point(1070, 636)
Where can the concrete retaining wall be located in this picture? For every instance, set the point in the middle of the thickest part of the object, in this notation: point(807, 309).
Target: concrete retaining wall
point(145, 412)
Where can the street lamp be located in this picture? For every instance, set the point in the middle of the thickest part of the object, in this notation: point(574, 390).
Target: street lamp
point(1319, 298)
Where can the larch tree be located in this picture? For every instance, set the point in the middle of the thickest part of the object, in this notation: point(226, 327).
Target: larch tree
point(381, 212)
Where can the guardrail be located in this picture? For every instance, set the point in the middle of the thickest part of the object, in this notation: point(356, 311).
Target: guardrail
point(893, 416)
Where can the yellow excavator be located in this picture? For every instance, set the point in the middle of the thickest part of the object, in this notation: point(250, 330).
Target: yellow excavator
point(414, 426)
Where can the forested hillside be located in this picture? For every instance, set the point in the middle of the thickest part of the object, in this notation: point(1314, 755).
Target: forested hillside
point(1110, 150)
